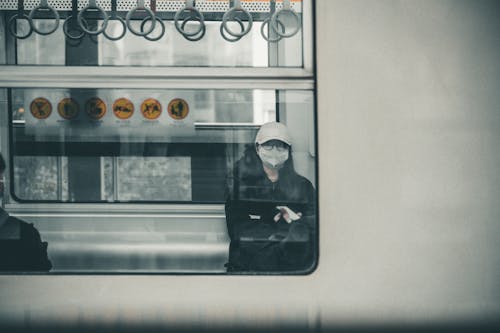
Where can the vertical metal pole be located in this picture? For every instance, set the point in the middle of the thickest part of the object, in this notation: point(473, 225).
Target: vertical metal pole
point(115, 177)
point(272, 47)
point(59, 178)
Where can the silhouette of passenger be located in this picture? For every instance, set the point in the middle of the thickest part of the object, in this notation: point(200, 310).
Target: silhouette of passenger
point(21, 248)
point(270, 209)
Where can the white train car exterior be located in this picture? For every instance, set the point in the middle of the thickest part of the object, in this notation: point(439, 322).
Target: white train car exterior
point(407, 129)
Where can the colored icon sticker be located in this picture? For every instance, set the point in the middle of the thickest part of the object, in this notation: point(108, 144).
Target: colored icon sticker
point(123, 108)
point(41, 108)
point(151, 108)
point(95, 108)
point(178, 109)
point(68, 108)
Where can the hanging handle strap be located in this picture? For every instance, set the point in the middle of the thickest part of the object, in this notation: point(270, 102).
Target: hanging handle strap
point(231, 13)
point(266, 23)
point(44, 5)
point(20, 7)
point(12, 24)
point(193, 15)
point(113, 9)
point(286, 10)
point(151, 16)
point(152, 4)
point(71, 21)
point(93, 5)
point(114, 16)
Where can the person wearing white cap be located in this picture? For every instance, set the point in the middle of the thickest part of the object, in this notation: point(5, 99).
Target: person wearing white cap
point(265, 197)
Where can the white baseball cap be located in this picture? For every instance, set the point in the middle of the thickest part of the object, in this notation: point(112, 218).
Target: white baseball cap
point(273, 131)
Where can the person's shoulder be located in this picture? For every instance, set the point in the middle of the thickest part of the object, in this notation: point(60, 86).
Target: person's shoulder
point(303, 181)
point(15, 220)
point(27, 229)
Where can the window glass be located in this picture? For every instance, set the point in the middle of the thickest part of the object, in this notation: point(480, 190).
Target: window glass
point(119, 145)
point(150, 178)
point(36, 177)
point(40, 49)
point(144, 178)
point(174, 50)
point(3, 54)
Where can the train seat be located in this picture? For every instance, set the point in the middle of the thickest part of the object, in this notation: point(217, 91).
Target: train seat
point(136, 244)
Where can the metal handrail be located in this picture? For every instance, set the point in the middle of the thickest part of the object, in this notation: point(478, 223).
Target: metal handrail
point(287, 9)
point(230, 15)
point(93, 5)
point(194, 14)
point(114, 16)
point(44, 5)
point(151, 14)
point(19, 15)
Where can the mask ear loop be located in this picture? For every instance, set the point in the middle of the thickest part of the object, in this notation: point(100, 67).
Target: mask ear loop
point(12, 24)
point(114, 16)
point(44, 5)
point(156, 18)
point(230, 15)
point(71, 22)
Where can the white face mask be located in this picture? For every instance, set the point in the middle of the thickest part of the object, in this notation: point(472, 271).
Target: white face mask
point(273, 158)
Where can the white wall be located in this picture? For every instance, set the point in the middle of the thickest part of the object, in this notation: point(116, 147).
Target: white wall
point(409, 128)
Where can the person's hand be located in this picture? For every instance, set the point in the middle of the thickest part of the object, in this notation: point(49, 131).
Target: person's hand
point(283, 213)
point(277, 217)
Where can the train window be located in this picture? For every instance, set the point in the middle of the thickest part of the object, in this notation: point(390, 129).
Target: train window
point(146, 153)
point(214, 48)
point(142, 145)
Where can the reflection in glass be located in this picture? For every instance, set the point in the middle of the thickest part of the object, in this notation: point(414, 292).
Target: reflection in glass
point(35, 177)
point(153, 178)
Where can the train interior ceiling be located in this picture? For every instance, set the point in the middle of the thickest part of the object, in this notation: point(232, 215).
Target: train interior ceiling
point(125, 171)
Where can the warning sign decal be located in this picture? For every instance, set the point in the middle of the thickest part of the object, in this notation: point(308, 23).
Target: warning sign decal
point(178, 109)
point(68, 108)
point(41, 108)
point(95, 108)
point(123, 108)
point(151, 108)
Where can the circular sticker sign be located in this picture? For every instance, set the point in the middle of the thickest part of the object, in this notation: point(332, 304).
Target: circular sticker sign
point(123, 108)
point(95, 108)
point(178, 108)
point(68, 108)
point(41, 108)
point(151, 108)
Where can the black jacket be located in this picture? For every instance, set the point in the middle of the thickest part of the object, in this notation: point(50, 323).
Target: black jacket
point(24, 251)
point(264, 245)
